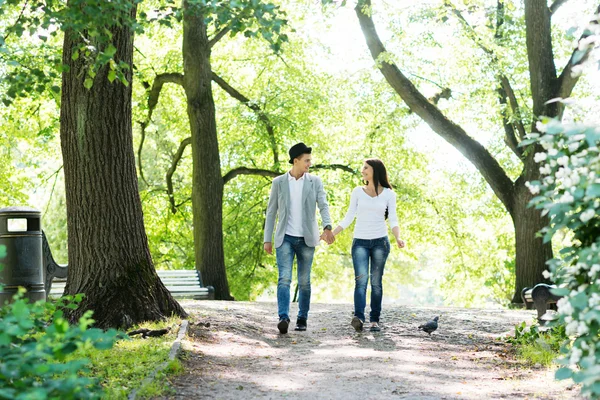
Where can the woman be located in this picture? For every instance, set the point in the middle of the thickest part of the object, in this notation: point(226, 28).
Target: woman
point(371, 204)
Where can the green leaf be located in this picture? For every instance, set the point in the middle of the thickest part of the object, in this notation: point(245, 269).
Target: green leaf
point(88, 83)
point(75, 55)
point(20, 310)
point(563, 373)
point(593, 190)
point(112, 75)
point(110, 50)
point(560, 291)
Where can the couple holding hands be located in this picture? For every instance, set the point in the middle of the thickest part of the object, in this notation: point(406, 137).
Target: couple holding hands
point(293, 201)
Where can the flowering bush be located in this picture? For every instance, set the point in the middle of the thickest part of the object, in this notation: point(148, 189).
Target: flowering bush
point(569, 193)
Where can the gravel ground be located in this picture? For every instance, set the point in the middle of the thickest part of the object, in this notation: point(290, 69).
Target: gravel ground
point(234, 351)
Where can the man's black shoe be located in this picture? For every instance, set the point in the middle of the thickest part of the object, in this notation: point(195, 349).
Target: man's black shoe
point(300, 324)
point(357, 324)
point(283, 325)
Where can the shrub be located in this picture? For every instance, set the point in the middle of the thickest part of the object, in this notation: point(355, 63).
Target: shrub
point(569, 193)
point(34, 341)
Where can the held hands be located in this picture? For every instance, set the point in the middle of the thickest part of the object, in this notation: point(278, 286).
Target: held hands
point(327, 236)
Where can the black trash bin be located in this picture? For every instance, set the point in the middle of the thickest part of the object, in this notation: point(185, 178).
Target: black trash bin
point(21, 235)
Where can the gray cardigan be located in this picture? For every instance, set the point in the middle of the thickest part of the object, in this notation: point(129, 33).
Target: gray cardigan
point(279, 203)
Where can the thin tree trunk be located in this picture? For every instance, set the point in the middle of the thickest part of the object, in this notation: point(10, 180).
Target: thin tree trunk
point(207, 182)
point(109, 259)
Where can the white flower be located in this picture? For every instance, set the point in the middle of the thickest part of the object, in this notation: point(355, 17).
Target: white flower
point(566, 198)
point(546, 274)
point(539, 157)
point(587, 215)
point(571, 329)
point(552, 152)
point(573, 147)
point(564, 306)
point(540, 126)
point(576, 354)
point(564, 160)
point(593, 271)
point(582, 329)
point(534, 189)
point(545, 170)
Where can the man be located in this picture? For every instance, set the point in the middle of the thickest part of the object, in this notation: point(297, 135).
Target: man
point(294, 197)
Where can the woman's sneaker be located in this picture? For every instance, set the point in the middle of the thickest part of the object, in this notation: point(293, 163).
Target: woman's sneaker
point(357, 324)
point(375, 327)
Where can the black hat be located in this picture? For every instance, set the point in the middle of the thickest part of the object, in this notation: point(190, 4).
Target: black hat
point(297, 150)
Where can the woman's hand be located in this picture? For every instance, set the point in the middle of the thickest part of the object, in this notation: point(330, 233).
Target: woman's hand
point(400, 243)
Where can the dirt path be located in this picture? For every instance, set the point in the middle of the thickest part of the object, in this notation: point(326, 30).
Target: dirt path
point(241, 355)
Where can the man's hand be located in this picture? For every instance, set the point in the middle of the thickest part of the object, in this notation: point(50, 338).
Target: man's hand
point(400, 243)
point(327, 236)
point(268, 246)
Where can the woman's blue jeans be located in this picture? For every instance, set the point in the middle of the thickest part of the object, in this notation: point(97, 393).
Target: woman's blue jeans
point(364, 252)
point(293, 246)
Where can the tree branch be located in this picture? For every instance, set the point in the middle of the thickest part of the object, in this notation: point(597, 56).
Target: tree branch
point(334, 166)
point(249, 171)
point(254, 107)
point(514, 105)
point(218, 36)
point(270, 173)
point(153, 96)
point(17, 21)
point(172, 169)
point(567, 80)
point(542, 71)
point(504, 82)
point(510, 138)
point(452, 133)
point(556, 5)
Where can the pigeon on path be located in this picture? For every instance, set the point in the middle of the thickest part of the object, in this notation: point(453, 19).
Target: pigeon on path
point(430, 326)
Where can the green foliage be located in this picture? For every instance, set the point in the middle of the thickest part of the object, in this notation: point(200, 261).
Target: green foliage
point(35, 344)
point(569, 194)
point(539, 345)
point(129, 362)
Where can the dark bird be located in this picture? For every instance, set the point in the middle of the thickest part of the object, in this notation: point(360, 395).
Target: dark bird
point(430, 326)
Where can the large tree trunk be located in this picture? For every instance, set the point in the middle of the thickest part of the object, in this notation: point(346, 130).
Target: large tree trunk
point(207, 182)
point(531, 253)
point(109, 259)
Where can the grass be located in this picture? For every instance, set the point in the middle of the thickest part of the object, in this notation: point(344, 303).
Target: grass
point(538, 345)
point(538, 353)
point(124, 367)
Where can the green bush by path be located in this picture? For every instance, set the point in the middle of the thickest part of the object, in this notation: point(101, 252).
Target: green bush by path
point(35, 344)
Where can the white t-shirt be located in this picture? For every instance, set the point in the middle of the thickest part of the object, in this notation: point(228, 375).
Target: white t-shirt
point(370, 213)
point(294, 225)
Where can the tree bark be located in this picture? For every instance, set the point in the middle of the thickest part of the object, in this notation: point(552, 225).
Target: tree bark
point(207, 182)
point(109, 259)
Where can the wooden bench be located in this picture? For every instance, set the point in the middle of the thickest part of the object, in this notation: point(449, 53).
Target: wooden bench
point(540, 297)
point(183, 284)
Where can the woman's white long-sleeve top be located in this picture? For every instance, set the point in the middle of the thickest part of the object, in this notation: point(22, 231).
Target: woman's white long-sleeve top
point(370, 213)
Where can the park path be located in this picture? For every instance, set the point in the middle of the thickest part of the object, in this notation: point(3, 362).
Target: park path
point(234, 351)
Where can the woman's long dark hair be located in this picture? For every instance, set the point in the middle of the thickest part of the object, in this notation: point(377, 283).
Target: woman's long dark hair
point(380, 177)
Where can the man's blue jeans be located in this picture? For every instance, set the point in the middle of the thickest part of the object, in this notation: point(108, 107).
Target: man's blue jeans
point(376, 252)
point(293, 246)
